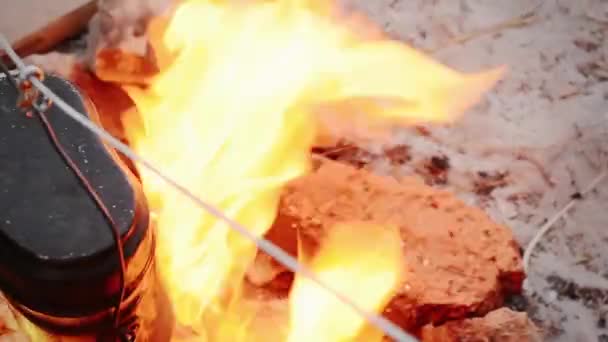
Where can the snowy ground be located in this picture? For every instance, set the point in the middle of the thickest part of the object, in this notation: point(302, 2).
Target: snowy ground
point(541, 137)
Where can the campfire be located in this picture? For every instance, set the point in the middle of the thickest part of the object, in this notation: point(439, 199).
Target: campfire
point(242, 90)
point(248, 106)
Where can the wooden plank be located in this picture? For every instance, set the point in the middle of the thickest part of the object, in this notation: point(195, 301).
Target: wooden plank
point(36, 26)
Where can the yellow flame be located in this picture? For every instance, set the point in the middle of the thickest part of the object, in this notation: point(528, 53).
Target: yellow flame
point(230, 116)
point(361, 260)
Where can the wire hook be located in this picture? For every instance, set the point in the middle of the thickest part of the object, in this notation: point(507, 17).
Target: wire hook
point(30, 96)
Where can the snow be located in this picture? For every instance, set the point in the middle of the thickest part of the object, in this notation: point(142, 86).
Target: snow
point(546, 125)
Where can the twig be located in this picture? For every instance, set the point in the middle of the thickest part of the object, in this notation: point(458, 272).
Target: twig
point(539, 166)
point(545, 228)
point(521, 20)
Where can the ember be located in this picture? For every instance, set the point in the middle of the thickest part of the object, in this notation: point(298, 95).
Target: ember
point(232, 115)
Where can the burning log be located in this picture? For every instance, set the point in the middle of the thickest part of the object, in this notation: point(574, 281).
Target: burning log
point(109, 99)
point(119, 48)
point(458, 262)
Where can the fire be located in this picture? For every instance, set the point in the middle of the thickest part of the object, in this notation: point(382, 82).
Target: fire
point(232, 116)
point(360, 260)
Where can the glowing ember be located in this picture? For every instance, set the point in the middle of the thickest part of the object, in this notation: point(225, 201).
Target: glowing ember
point(230, 116)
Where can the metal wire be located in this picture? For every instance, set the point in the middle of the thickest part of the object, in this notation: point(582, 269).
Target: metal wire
point(389, 328)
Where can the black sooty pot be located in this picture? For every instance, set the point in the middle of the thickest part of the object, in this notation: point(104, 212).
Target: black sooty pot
point(59, 266)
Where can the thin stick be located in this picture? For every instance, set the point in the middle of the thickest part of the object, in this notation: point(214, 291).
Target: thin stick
point(521, 20)
point(545, 228)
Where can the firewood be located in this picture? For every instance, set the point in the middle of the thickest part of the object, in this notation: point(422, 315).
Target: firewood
point(47, 37)
point(119, 40)
point(459, 262)
point(109, 99)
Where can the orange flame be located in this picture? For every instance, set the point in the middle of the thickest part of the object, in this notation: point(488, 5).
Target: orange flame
point(362, 261)
point(230, 116)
